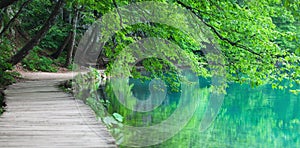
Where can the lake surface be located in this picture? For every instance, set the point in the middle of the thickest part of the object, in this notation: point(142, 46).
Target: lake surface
point(249, 117)
point(255, 117)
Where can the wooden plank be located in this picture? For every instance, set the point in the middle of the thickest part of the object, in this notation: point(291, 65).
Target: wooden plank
point(32, 90)
point(38, 114)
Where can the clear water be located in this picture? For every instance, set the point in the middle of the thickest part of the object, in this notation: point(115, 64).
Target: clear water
point(255, 117)
point(249, 117)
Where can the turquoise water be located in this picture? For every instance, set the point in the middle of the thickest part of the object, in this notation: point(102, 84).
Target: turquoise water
point(249, 117)
point(255, 117)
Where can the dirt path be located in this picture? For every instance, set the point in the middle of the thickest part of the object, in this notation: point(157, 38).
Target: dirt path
point(47, 75)
point(50, 76)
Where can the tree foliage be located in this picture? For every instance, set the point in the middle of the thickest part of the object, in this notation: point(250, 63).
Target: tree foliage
point(259, 39)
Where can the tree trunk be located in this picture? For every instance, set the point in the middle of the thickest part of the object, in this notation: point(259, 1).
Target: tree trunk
point(66, 16)
point(72, 45)
point(37, 38)
point(5, 3)
point(15, 17)
point(62, 46)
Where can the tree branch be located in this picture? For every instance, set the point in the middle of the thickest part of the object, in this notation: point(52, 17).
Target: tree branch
point(214, 30)
point(18, 57)
point(15, 17)
point(116, 6)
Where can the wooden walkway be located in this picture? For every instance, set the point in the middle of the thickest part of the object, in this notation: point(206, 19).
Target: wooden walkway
point(38, 114)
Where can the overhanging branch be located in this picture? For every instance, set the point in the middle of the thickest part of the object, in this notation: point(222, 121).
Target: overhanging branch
point(214, 30)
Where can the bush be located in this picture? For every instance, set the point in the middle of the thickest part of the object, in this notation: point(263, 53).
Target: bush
point(54, 37)
point(6, 77)
point(61, 60)
point(34, 62)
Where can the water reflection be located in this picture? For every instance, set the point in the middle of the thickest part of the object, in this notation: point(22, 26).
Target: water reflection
point(249, 117)
point(254, 117)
